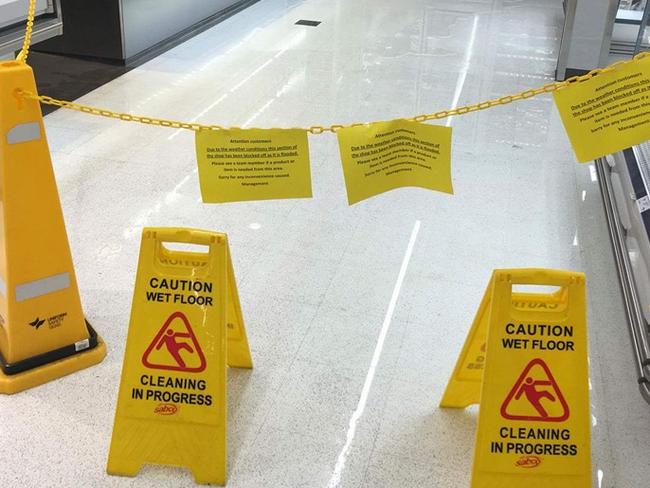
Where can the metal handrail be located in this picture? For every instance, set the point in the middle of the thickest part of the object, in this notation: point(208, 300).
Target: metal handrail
point(636, 322)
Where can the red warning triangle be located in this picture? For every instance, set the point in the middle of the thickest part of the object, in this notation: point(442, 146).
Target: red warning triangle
point(175, 347)
point(536, 396)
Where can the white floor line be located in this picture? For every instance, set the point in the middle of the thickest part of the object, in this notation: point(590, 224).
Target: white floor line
point(361, 406)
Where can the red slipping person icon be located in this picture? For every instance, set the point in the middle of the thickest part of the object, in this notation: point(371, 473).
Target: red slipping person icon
point(175, 347)
point(529, 388)
point(535, 396)
point(169, 340)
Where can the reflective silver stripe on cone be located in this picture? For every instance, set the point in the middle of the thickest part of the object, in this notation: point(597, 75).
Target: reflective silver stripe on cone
point(31, 131)
point(3, 287)
point(41, 287)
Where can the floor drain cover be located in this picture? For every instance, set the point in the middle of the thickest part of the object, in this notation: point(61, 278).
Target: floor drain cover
point(310, 23)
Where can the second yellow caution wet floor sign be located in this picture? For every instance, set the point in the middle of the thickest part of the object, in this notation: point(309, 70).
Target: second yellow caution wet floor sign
point(525, 359)
point(186, 327)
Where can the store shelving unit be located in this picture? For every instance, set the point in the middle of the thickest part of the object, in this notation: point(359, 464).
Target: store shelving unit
point(13, 14)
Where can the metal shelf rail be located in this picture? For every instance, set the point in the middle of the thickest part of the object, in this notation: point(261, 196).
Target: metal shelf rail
point(624, 229)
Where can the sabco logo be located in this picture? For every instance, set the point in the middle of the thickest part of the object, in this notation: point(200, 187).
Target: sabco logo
point(37, 323)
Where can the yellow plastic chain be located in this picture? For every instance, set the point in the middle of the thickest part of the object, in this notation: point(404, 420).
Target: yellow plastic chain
point(118, 115)
point(27, 42)
point(314, 129)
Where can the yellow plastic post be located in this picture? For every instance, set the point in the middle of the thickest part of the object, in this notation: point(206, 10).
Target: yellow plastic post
point(534, 423)
point(186, 326)
point(43, 333)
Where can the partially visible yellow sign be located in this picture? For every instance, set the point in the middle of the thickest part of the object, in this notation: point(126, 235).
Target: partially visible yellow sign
point(609, 112)
point(186, 327)
point(464, 387)
point(253, 164)
point(534, 421)
point(383, 156)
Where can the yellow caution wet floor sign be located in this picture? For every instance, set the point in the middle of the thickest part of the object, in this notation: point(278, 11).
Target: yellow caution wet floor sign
point(525, 360)
point(186, 327)
point(43, 332)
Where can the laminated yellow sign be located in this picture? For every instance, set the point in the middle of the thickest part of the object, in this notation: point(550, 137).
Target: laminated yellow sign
point(253, 164)
point(534, 421)
point(383, 156)
point(186, 327)
point(609, 112)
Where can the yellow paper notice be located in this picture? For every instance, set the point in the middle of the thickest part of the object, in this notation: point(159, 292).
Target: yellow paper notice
point(609, 112)
point(386, 155)
point(253, 164)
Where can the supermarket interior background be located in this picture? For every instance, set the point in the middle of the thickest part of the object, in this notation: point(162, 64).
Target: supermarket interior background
point(355, 314)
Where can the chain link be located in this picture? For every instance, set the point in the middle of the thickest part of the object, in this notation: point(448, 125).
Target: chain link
point(27, 42)
point(175, 124)
point(314, 129)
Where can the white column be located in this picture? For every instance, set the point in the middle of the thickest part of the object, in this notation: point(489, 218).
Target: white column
point(587, 39)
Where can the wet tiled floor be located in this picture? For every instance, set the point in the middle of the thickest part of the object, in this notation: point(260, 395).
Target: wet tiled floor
point(351, 355)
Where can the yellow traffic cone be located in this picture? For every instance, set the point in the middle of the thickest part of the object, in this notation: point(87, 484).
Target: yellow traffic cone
point(43, 333)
